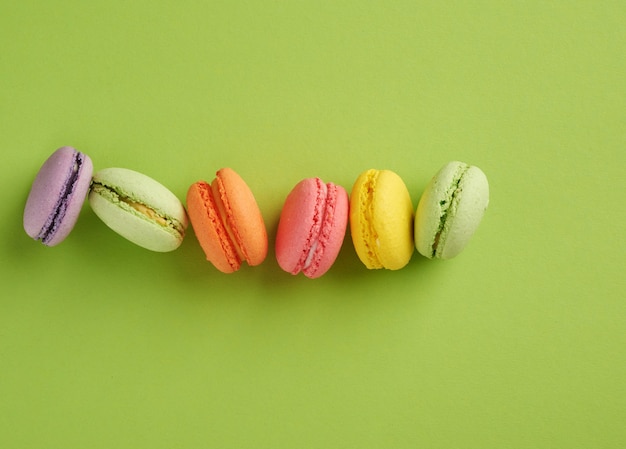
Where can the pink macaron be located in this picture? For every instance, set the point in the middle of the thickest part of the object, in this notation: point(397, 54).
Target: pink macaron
point(312, 227)
point(57, 196)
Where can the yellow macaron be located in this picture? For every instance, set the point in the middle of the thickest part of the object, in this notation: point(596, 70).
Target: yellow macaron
point(381, 220)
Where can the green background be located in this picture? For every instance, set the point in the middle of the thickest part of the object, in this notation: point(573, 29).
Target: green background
point(518, 342)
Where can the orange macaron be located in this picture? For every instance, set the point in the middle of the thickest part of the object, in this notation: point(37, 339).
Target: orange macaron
point(227, 221)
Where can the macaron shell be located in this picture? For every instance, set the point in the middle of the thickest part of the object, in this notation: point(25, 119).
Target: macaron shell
point(296, 224)
point(466, 213)
point(243, 216)
point(50, 187)
point(459, 195)
point(332, 232)
point(381, 220)
point(130, 223)
point(209, 229)
point(144, 189)
point(430, 207)
point(393, 221)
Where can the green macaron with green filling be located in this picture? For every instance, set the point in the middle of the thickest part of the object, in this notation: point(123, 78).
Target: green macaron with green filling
point(450, 210)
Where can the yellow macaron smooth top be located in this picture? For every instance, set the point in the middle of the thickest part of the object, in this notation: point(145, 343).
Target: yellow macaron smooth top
point(381, 220)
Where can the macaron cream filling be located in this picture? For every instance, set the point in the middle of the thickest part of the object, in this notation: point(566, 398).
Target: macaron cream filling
point(52, 223)
point(128, 203)
point(446, 206)
point(310, 255)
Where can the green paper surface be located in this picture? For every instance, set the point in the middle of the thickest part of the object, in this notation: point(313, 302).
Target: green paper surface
point(519, 342)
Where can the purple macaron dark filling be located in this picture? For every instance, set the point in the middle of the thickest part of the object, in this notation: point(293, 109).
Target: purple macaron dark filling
point(56, 217)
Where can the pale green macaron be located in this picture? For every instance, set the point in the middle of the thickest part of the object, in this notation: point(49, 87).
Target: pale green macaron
point(138, 208)
point(450, 210)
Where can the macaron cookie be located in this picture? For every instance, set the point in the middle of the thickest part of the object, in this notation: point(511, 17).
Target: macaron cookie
point(450, 210)
point(312, 227)
point(57, 195)
point(138, 208)
point(381, 220)
point(227, 221)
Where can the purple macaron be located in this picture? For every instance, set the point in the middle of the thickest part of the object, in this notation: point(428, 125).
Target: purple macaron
point(57, 196)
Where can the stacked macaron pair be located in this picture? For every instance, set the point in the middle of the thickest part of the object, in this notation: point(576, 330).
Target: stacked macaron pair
point(229, 225)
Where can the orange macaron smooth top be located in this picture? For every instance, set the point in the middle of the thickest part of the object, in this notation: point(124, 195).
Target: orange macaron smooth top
point(227, 221)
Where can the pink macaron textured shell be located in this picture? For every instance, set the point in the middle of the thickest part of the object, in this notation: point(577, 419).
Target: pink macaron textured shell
point(57, 196)
point(312, 227)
